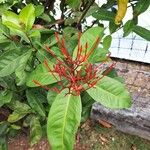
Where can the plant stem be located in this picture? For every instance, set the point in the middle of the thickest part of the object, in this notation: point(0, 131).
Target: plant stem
point(85, 11)
point(31, 44)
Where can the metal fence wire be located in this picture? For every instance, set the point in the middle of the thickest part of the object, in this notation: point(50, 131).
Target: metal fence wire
point(132, 47)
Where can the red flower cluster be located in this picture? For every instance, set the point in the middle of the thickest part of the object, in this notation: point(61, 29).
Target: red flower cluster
point(77, 74)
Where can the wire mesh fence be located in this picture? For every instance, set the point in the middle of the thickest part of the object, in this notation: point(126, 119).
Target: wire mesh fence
point(131, 47)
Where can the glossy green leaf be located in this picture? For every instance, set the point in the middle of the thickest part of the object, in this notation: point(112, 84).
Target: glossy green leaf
point(19, 106)
point(99, 55)
point(103, 14)
point(107, 42)
point(42, 55)
point(63, 121)
point(87, 102)
point(35, 34)
point(141, 6)
point(4, 30)
point(16, 127)
point(35, 131)
point(10, 61)
point(113, 27)
point(20, 110)
point(11, 20)
point(27, 16)
point(20, 71)
point(90, 37)
point(3, 128)
point(111, 93)
point(69, 31)
point(127, 28)
point(109, 4)
point(3, 40)
point(51, 95)
point(5, 97)
point(73, 3)
point(41, 75)
point(112, 73)
point(15, 116)
point(3, 143)
point(39, 9)
point(27, 120)
point(92, 10)
point(34, 101)
point(45, 17)
point(144, 33)
point(7, 83)
point(70, 21)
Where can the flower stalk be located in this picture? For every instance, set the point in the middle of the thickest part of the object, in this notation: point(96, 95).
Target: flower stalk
point(77, 74)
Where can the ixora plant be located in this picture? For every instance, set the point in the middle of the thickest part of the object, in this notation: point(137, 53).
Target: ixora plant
point(51, 75)
point(71, 76)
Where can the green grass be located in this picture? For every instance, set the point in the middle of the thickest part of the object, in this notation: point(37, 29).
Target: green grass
point(115, 140)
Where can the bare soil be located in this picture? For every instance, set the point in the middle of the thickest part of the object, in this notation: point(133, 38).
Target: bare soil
point(91, 136)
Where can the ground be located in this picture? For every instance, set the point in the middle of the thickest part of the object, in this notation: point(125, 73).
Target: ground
point(91, 136)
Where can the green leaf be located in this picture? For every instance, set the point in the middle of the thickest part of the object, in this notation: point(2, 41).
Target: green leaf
point(11, 20)
point(27, 16)
point(87, 102)
point(3, 128)
point(35, 130)
point(5, 97)
point(109, 4)
point(127, 28)
point(51, 95)
point(20, 110)
point(16, 127)
point(103, 14)
point(42, 55)
point(27, 120)
point(112, 73)
point(63, 121)
point(15, 116)
point(141, 6)
point(39, 9)
point(92, 10)
point(113, 27)
point(69, 31)
point(42, 75)
point(35, 34)
point(9, 61)
point(51, 41)
point(99, 55)
point(144, 33)
point(4, 30)
point(34, 101)
point(19, 107)
point(90, 37)
point(3, 40)
point(7, 82)
point(107, 42)
point(45, 17)
point(73, 3)
point(111, 93)
point(70, 21)
point(3, 143)
point(20, 71)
